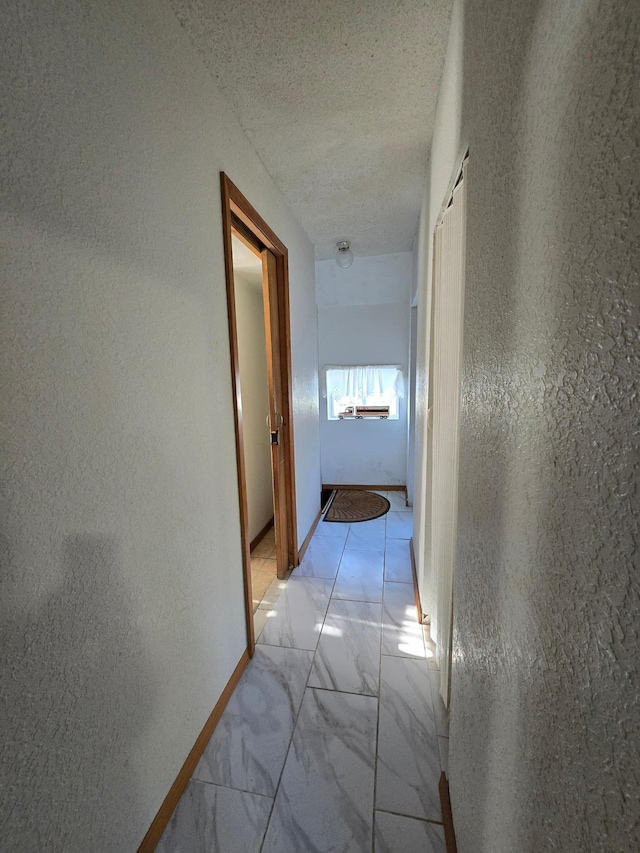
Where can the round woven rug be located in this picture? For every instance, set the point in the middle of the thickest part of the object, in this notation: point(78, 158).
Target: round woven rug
point(351, 505)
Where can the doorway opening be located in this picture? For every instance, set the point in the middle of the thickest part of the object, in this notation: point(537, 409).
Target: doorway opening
point(256, 264)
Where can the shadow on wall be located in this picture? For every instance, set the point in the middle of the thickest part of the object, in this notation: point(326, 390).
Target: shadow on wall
point(543, 704)
point(73, 688)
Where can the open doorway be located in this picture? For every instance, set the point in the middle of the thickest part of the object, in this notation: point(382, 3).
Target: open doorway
point(258, 309)
point(254, 388)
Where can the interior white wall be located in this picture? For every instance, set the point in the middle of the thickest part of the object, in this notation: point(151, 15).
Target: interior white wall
point(411, 426)
point(543, 735)
point(363, 318)
point(122, 598)
point(252, 358)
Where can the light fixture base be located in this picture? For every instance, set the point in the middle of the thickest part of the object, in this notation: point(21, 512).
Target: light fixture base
point(344, 255)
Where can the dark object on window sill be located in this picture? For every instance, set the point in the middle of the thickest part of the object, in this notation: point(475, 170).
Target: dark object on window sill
point(361, 412)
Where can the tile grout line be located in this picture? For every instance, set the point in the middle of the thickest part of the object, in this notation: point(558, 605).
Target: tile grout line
point(345, 692)
point(411, 817)
point(306, 687)
point(375, 760)
point(229, 788)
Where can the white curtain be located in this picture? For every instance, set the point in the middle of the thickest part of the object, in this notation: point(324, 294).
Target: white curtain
point(357, 382)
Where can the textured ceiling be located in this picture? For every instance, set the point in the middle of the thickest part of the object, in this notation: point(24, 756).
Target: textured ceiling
point(338, 99)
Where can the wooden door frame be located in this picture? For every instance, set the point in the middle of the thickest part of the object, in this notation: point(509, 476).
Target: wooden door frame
point(235, 205)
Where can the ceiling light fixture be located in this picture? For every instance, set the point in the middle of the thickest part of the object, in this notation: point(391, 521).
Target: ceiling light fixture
point(344, 255)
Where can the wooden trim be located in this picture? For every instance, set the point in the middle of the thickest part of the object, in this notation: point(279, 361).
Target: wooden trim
point(447, 815)
point(416, 588)
point(247, 214)
point(237, 205)
point(273, 339)
point(379, 488)
point(305, 544)
point(258, 539)
point(285, 319)
point(154, 833)
point(237, 415)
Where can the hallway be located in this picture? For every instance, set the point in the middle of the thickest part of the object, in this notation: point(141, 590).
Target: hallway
point(336, 729)
point(123, 546)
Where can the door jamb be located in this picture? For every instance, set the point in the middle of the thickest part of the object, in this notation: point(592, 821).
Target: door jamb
point(235, 204)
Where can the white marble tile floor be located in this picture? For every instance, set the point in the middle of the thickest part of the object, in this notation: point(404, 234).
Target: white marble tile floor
point(259, 621)
point(360, 576)
point(401, 633)
point(408, 756)
point(398, 834)
point(249, 746)
point(296, 620)
point(397, 561)
point(398, 501)
point(273, 593)
point(322, 558)
point(335, 736)
point(325, 799)
point(399, 525)
point(348, 654)
point(334, 529)
point(367, 535)
point(215, 819)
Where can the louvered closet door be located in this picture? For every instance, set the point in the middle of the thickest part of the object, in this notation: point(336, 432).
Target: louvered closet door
point(448, 305)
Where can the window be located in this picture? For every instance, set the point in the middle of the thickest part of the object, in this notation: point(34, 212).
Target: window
point(363, 392)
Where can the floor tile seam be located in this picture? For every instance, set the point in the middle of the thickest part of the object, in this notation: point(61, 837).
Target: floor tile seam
point(337, 596)
point(297, 716)
point(361, 600)
point(375, 764)
point(366, 550)
point(411, 817)
point(424, 646)
point(231, 788)
point(295, 724)
point(306, 687)
point(286, 755)
point(404, 657)
point(378, 626)
point(318, 577)
point(346, 692)
point(435, 734)
point(294, 648)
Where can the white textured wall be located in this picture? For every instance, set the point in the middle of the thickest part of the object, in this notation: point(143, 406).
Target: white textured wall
point(122, 602)
point(411, 425)
point(545, 700)
point(364, 318)
point(252, 358)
